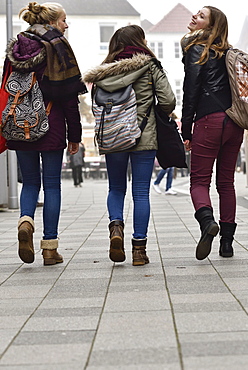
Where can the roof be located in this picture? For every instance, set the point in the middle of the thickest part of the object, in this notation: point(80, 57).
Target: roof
point(83, 7)
point(175, 21)
point(146, 25)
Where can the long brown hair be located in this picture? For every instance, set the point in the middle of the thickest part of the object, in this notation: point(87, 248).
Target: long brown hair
point(132, 35)
point(214, 36)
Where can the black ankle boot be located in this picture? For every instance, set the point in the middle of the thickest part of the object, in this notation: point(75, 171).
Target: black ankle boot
point(209, 229)
point(227, 231)
point(116, 235)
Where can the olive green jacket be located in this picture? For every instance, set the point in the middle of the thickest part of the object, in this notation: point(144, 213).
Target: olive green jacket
point(137, 71)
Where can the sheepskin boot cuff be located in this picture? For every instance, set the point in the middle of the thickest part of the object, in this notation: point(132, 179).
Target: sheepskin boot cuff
point(26, 219)
point(50, 244)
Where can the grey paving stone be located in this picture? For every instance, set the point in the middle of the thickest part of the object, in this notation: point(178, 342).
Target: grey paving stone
point(207, 307)
point(64, 312)
point(216, 362)
point(214, 337)
point(54, 337)
point(202, 297)
point(137, 301)
point(71, 303)
point(128, 322)
point(46, 354)
point(12, 322)
point(6, 336)
point(24, 291)
point(158, 356)
point(137, 339)
point(200, 349)
point(61, 323)
point(195, 322)
point(167, 366)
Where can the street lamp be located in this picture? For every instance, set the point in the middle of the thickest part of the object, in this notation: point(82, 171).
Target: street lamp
point(11, 155)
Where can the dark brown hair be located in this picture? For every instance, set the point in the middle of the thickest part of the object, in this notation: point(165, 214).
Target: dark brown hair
point(132, 35)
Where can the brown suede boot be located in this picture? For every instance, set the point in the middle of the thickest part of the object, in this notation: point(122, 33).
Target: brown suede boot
point(50, 254)
point(139, 252)
point(25, 237)
point(116, 235)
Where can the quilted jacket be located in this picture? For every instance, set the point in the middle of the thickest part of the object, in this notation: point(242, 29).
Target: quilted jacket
point(28, 55)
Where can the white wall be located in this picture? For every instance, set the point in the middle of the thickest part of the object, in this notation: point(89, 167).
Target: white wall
point(172, 66)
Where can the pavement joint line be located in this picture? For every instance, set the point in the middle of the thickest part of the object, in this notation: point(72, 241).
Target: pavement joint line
point(171, 305)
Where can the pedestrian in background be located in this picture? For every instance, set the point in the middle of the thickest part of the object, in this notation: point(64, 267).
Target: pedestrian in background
point(129, 61)
point(215, 136)
point(43, 49)
point(169, 172)
point(77, 164)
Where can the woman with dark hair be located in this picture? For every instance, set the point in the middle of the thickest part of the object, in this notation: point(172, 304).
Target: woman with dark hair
point(130, 61)
point(43, 49)
point(215, 136)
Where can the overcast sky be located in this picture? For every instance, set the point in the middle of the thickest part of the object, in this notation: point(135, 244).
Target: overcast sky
point(155, 10)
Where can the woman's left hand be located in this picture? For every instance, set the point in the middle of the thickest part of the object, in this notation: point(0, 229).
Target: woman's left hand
point(73, 147)
point(187, 144)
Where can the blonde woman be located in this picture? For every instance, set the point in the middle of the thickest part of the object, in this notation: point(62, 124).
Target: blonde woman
point(43, 49)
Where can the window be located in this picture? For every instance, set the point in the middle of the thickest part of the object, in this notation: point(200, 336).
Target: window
point(157, 48)
point(177, 49)
point(160, 50)
point(106, 32)
point(152, 47)
point(178, 96)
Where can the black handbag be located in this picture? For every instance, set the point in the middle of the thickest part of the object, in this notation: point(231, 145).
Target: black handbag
point(171, 151)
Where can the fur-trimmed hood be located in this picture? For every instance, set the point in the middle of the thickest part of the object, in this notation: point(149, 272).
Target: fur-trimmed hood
point(123, 66)
point(34, 53)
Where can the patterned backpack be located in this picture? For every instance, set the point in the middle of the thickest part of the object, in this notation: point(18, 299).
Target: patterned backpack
point(116, 127)
point(25, 117)
point(237, 68)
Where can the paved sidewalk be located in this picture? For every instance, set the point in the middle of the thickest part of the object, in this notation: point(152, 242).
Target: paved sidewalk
point(175, 313)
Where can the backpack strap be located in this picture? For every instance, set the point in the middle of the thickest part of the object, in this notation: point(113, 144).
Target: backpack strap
point(49, 107)
point(147, 115)
point(214, 97)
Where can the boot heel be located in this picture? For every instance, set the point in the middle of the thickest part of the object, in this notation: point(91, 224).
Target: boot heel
point(116, 250)
point(139, 252)
point(49, 261)
point(25, 238)
point(49, 252)
point(214, 229)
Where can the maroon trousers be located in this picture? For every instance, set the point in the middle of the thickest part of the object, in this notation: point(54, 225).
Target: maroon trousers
point(215, 140)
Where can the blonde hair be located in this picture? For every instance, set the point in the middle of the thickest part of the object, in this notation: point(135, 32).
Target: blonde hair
point(46, 13)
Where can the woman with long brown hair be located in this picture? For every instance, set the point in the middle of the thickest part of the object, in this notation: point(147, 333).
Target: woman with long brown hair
point(215, 137)
point(130, 61)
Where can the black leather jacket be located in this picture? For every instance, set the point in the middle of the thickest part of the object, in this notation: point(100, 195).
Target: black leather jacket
point(199, 79)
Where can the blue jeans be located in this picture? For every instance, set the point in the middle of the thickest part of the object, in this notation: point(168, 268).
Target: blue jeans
point(142, 166)
point(30, 165)
point(170, 173)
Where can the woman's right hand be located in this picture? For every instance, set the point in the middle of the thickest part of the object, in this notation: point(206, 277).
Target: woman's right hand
point(187, 144)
